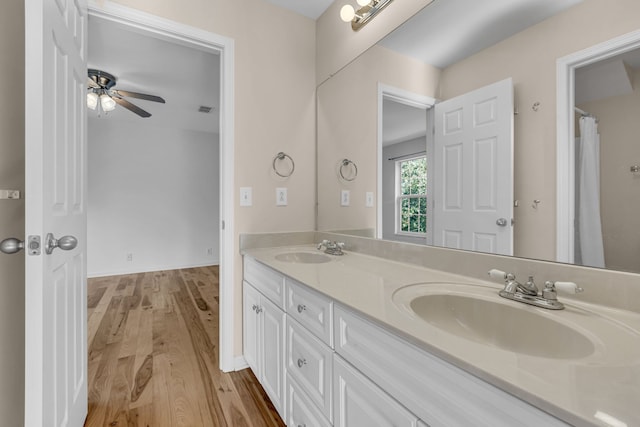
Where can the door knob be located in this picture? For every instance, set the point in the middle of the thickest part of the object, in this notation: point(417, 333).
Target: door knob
point(502, 222)
point(65, 243)
point(11, 245)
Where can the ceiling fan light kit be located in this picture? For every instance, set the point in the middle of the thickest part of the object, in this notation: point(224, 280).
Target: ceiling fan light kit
point(100, 88)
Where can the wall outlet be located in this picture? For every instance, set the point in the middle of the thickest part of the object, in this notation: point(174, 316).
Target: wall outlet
point(209, 251)
point(246, 196)
point(345, 198)
point(369, 199)
point(281, 196)
point(129, 257)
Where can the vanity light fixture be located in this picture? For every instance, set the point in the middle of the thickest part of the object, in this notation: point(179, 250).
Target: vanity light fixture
point(368, 9)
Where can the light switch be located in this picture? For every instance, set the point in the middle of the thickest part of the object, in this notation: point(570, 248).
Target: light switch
point(281, 196)
point(345, 198)
point(245, 196)
point(369, 199)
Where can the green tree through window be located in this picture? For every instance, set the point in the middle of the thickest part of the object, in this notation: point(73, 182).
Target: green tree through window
point(412, 195)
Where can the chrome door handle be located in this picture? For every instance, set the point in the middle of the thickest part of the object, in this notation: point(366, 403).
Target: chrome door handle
point(11, 246)
point(66, 243)
point(502, 222)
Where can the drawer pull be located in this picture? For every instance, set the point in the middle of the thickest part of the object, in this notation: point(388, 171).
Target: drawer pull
point(301, 308)
point(301, 363)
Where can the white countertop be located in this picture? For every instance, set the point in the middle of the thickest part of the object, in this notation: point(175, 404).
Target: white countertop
point(581, 391)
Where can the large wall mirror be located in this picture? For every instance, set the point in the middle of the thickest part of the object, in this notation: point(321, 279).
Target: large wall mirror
point(381, 113)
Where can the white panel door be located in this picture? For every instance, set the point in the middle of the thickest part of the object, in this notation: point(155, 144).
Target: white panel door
point(473, 170)
point(55, 150)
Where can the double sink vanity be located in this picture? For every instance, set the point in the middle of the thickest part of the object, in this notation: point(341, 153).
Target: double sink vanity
point(364, 340)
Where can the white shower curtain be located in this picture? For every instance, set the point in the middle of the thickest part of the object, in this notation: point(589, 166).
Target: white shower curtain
point(588, 215)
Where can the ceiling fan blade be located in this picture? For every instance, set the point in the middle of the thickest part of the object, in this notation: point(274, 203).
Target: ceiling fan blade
point(139, 96)
point(131, 107)
point(91, 83)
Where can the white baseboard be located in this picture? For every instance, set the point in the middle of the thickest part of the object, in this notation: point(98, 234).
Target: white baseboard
point(240, 363)
point(149, 269)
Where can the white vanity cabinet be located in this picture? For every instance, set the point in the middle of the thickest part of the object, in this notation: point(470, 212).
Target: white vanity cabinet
point(264, 344)
point(359, 402)
point(264, 329)
point(440, 394)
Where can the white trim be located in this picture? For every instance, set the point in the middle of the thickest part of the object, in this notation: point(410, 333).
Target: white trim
point(240, 363)
point(565, 137)
point(194, 37)
point(404, 97)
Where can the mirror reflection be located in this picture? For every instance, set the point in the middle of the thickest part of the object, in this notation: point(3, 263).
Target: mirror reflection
point(379, 111)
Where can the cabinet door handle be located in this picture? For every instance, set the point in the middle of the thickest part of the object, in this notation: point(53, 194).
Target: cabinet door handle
point(255, 308)
point(258, 309)
point(301, 363)
point(301, 308)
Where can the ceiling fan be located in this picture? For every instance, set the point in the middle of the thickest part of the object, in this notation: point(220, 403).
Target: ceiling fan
point(100, 88)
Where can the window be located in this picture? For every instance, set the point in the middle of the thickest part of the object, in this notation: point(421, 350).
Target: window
point(411, 196)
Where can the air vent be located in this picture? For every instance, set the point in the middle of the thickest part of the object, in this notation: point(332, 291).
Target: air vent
point(205, 109)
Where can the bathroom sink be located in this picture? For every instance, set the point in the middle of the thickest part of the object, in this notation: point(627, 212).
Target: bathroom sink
point(478, 314)
point(303, 257)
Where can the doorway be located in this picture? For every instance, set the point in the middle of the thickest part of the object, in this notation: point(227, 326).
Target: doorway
point(567, 68)
point(161, 30)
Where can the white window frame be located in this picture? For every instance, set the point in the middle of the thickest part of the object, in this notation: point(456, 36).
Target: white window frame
point(399, 197)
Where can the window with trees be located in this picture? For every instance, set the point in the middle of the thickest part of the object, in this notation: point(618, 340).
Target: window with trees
point(411, 196)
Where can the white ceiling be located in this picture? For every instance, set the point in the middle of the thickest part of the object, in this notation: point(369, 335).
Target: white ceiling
point(401, 122)
point(309, 8)
point(185, 77)
point(447, 31)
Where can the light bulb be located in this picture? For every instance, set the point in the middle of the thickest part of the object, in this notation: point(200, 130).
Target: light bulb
point(107, 103)
point(363, 2)
point(347, 13)
point(92, 100)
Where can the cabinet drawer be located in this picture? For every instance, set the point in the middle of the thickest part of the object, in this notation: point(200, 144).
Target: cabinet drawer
point(269, 282)
point(300, 410)
point(436, 391)
point(312, 309)
point(310, 363)
point(359, 402)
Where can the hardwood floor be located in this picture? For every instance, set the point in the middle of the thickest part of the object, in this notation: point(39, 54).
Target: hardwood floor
point(153, 356)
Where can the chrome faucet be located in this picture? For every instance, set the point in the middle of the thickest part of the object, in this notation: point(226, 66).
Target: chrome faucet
point(331, 248)
point(528, 292)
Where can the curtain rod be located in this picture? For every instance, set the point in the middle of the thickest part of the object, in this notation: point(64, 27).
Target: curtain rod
point(407, 155)
point(584, 113)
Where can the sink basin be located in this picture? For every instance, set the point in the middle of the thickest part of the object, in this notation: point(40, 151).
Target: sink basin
point(303, 257)
point(501, 325)
point(478, 314)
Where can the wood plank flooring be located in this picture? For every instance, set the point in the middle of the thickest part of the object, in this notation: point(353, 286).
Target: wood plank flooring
point(153, 355)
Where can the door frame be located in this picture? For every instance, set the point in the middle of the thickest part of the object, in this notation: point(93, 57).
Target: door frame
point(407, 98)
point(565, 136)
point(194, 37)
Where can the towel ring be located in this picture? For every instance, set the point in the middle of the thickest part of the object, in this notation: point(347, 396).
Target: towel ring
point(344, 164)
point(282, 156)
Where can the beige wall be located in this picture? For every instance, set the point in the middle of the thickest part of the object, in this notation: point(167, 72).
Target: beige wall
point(347, 128)
point(338, 44)
point(274, 109)
point(619, 128)
point(530, 59)
point(12, 212)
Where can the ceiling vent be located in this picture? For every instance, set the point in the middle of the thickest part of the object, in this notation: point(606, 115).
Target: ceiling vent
point(205, 109)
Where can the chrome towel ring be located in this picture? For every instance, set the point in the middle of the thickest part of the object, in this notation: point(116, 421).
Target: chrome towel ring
point(344, 166)
point(282, 156)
